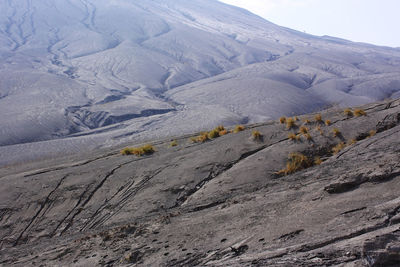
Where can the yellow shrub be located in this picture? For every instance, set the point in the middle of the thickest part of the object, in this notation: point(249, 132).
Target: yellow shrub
point(239, 128)
point(223, 132)
point(319, 129)
point(372, 133)
point(352, 142)
point(336, 149)
point(290, 123)
point(213, 134)
point(328, 122)
point(317, 161)
point(296, 118)
point(292, 136)
point(201, 138)
point(306, 121)
point(138, 151)
point(308, 136)
point(318, 118)
point(348, 112)
point(256, 135)
point(282, 120)
point(296, 162)
point(303, 129)
point(359, 112)
point(173, 143)
point(336, 132)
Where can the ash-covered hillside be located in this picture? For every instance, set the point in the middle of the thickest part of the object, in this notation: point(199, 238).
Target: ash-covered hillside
point(322, 190)
point(79, 74)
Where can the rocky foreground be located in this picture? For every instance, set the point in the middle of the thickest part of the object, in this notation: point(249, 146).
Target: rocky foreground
point(217, 203)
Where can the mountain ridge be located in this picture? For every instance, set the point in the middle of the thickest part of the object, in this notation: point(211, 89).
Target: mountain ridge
point(71, 73)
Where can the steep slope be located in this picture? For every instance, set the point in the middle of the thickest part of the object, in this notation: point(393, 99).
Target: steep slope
point(218, 203)
point(87, 73)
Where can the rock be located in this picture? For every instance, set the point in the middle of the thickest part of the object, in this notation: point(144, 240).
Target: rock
point(217, 203)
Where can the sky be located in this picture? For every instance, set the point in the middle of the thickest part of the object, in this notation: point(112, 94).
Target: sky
point(370, 21)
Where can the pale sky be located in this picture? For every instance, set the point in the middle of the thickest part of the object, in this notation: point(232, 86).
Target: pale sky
point(370, 21)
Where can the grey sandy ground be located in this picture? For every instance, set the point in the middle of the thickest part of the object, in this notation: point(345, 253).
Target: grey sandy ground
point(217, 203)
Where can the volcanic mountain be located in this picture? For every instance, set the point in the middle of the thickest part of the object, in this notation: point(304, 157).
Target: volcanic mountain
point(81, 74)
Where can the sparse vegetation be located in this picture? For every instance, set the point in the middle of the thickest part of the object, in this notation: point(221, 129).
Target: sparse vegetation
point(328, 122)
point(336, 149)
point(138, 151)
point(352, 142)
point(317, 161)
point(318, 118)
point(303, 130)
point(359, 112)
point(256, 135)
point(203, 137)
point(282, 120)
point(296, 162)
point(296, 118)
point(173, 143)
point(292, 136)
point(306, 121)
point(348, 112)
point(213, 134)
point(223, 132)
point(239, 128)
point(319, 129)
point(336, 132)
point(372, 133)
point(308, 136)
point(290, 123)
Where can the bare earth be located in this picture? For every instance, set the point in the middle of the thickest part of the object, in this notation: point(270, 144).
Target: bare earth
point(217, 203)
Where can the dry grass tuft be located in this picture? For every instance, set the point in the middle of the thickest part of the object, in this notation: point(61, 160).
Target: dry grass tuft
point(256, 135)
point(336, 132)
point(203, 137)
point(239, 128)
point(282, 120)
point(296, 118)
point(173, 143)
point(348, 112)
point(336, 149)
point(318, 118)
point(359, 112)
point(306, 121)
point(308, 136)
point(372, 133)
point(328, 122)
point(303, 130)
point(292, 136)
point(290, 123)
point(352, 142)
point(319, 129)
point(138, 151)
point(317, 161)
point(296, 162)
point(223, 132)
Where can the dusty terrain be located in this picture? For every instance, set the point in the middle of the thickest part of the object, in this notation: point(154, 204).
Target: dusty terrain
point(218, 203)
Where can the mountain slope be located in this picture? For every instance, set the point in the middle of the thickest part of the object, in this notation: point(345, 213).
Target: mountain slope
point(217, 203)
point(78, 74)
